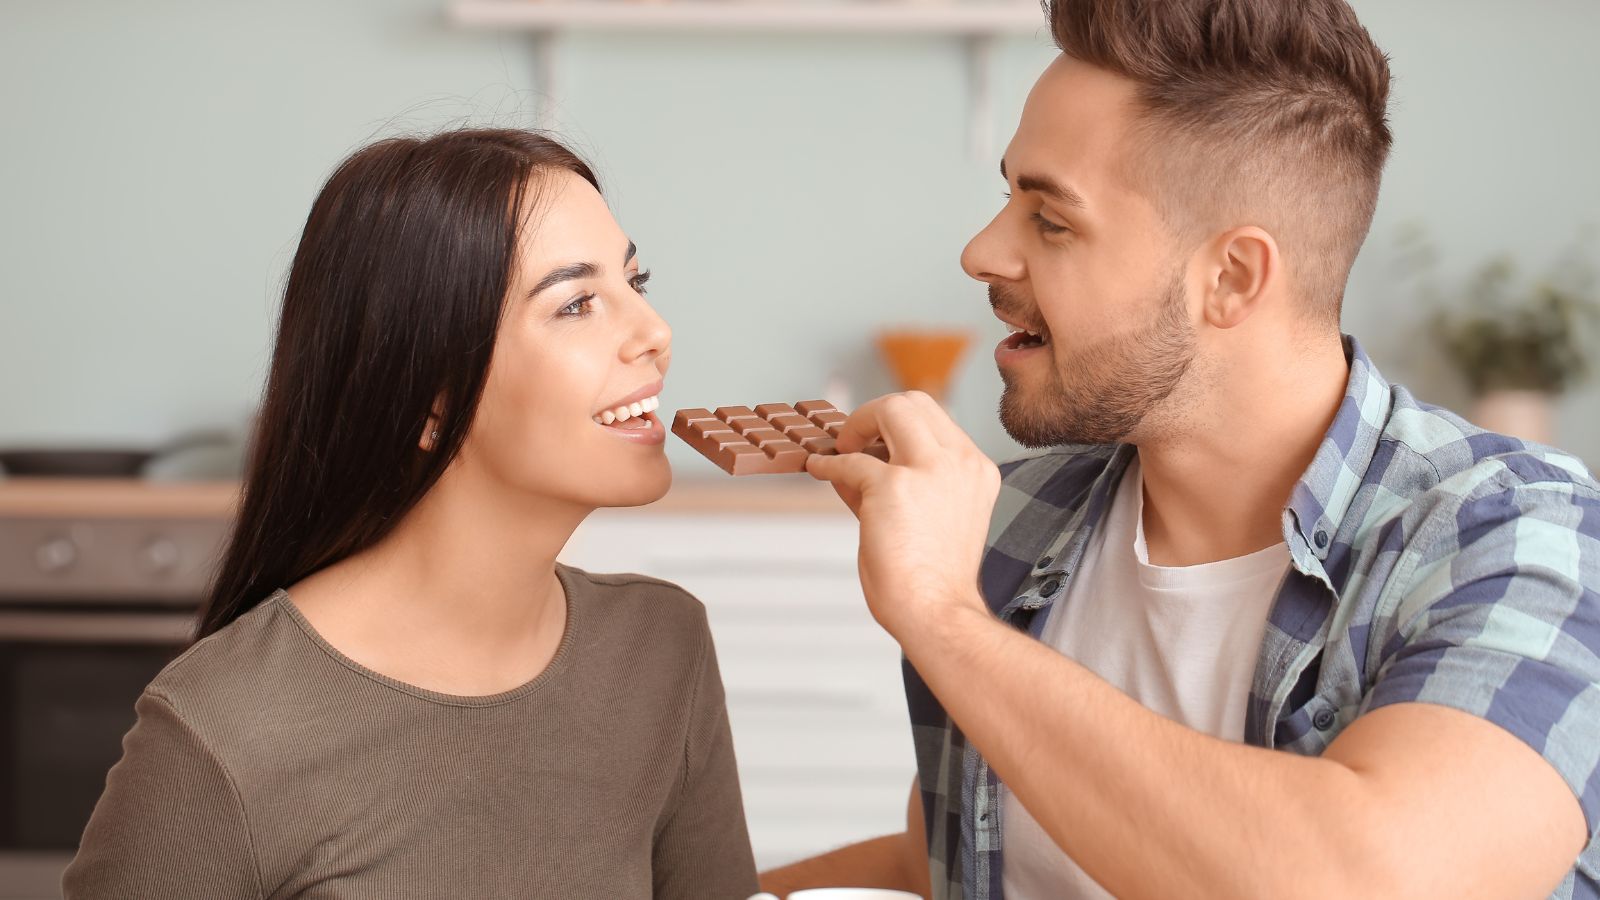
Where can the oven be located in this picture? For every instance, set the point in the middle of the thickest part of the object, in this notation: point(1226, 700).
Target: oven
point(91, 609)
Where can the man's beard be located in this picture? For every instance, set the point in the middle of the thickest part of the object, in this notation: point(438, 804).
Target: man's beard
point(1104, 392)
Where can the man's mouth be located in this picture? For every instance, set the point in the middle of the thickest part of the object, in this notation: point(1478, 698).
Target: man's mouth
point(1023, 339)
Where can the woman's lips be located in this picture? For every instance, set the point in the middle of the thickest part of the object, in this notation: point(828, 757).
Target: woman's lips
point(645, 430)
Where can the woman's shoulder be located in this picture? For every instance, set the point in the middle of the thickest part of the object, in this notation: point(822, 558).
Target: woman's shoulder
point(630, 599)
point(248, 665)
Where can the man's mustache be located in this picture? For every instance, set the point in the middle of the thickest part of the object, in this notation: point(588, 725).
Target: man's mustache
point(1008, 303)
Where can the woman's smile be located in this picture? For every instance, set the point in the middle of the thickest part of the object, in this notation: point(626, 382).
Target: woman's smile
point(633, 417)
point(644, 428)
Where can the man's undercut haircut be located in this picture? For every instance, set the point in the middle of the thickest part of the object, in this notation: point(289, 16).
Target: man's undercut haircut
point(1252, 112)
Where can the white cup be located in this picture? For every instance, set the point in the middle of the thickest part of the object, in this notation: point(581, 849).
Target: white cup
point(842, 894)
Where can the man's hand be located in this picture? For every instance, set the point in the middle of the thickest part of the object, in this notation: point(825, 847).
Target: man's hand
point(924, 514)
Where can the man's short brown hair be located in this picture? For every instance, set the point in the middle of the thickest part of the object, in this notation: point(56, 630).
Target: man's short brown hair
point(1259, 112)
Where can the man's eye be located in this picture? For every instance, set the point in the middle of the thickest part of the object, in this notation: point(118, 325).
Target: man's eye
point(1047, 226)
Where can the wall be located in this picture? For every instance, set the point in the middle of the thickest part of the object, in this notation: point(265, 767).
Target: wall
point(159, 159)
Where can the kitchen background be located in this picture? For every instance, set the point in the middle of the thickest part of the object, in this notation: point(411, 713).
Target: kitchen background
point(159, 159)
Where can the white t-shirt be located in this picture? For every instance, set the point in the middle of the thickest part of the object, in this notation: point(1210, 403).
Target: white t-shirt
point(1181, 641)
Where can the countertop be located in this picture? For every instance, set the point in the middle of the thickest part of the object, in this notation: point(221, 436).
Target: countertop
point(128, 498)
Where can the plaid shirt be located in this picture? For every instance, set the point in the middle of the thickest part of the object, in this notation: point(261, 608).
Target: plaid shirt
point(1431, 561)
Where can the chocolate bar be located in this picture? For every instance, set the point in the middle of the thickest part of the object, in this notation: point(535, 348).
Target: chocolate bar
point(771, 439)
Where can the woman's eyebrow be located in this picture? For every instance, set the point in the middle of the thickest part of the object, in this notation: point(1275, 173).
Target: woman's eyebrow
point(564, 273)
point(576, 271)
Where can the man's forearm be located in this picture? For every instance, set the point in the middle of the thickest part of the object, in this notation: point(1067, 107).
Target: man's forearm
point(880, 863)
point(1147, 807)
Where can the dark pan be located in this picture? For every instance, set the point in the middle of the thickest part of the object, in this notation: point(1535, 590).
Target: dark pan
point(75, 463)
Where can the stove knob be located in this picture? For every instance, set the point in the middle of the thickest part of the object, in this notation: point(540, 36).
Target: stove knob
point(160, 555)
point(56, 555)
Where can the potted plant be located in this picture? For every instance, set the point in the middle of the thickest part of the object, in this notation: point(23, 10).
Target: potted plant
point(1519, 345)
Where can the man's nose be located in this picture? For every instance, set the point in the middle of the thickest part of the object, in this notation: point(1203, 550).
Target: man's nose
point(991, 254)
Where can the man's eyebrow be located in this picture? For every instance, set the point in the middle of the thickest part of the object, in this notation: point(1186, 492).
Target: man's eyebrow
point(1044, 184)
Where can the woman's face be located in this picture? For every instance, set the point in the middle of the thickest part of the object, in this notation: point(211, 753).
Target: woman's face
point(578, 346)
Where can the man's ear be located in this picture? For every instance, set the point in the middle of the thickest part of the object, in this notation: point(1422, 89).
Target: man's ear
point(1241, 266)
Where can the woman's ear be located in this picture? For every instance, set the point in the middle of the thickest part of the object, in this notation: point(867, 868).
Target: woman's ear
point(1244, 268)
point(430, 428)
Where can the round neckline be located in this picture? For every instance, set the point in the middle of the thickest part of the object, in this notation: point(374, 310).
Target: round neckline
point(1257, 564)
point(557, 663)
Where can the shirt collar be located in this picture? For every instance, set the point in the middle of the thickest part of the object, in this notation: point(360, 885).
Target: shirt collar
point(1323, 495)
point(1319, 500)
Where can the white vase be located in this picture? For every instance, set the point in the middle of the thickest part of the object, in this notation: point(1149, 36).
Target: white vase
point(1523, 414)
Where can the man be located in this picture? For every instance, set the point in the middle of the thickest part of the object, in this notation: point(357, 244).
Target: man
point(1237, 538)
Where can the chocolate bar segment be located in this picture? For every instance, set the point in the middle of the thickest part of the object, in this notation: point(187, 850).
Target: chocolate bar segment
point(807, 407)
point(787, 423)
point(769, 411)
point(771, 439)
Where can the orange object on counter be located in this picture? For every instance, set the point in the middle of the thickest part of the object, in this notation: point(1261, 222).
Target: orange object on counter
point(924, 359)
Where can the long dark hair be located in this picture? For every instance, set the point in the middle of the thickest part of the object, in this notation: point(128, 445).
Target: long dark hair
point(391, 309)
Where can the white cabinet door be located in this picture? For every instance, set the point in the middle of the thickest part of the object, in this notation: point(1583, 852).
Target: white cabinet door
point(813, 684)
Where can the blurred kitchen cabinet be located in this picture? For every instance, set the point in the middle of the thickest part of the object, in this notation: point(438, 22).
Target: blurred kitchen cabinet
point(813, 684)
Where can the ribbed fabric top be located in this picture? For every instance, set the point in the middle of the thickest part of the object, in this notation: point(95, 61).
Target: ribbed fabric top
point(267, 764)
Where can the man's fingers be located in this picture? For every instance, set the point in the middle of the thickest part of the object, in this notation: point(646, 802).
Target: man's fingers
point(849, 473)
point(817, 468)
point(936, 419)
point(899, 420)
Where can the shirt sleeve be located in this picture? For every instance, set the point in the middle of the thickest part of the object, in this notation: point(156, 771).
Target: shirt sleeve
point(703, 850)
point(1501, 619)
point(169, 824)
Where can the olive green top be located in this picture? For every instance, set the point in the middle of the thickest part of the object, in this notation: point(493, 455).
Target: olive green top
point(265, 763)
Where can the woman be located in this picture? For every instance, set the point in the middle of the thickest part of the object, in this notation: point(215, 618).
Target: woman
point(434, 707)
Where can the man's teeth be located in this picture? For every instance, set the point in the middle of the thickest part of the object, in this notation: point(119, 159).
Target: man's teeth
point(632, 410)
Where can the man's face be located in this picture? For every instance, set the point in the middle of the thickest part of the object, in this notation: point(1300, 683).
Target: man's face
point(1084, 261)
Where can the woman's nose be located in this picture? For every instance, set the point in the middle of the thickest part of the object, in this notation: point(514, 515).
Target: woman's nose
point(651, 335)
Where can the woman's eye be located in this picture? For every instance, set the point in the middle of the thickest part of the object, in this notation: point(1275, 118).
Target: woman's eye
point(639, 281)
point(578, 308)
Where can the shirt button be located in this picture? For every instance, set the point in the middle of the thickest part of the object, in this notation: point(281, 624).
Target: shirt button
point(1322, 540)
point(1050, 588)
point(1046, 561)
point(1324, 719)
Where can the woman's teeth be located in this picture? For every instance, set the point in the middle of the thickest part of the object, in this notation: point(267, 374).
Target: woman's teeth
point(631, 411)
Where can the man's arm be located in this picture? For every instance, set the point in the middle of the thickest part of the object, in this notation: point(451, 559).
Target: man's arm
point(898, 861)
point(1412, 799)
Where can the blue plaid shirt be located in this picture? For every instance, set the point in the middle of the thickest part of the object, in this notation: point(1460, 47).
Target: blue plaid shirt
point(1431, 561)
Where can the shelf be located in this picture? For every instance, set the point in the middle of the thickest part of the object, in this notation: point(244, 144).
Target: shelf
point(935, 17)
point(978, 23)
